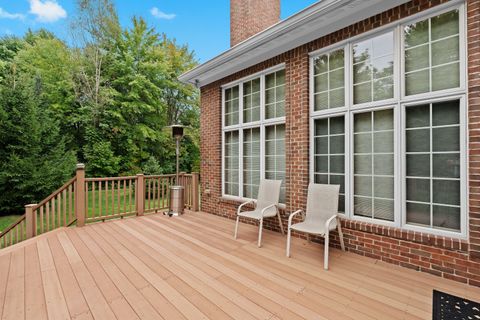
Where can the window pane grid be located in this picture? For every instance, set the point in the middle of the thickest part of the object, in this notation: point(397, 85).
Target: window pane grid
point(373, 188)
point(432, 61)
point(231, 163)
point(251, 100)
point(275, 156)
point(329, 158)
point(231, 106)
point(275, 95)
point(423, 207)
point(329, 80)
point(251, 162)
point(373, 69)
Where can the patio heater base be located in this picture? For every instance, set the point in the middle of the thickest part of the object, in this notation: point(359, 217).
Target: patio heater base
point(177, 204)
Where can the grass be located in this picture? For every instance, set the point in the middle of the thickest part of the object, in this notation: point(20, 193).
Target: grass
point(123, 203)
point(106, 206)
point(6, 221)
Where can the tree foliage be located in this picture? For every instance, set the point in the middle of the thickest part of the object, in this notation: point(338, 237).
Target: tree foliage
point(106, 100)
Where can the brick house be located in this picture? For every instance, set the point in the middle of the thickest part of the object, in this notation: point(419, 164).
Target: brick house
point(381, 97)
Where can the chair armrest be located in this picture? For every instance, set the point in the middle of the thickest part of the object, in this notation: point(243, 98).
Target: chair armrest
point(290, 217)
point(268, 207)
point(243, 204)
point(329, 221)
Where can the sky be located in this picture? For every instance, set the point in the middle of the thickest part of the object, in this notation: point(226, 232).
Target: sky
point(205, 28)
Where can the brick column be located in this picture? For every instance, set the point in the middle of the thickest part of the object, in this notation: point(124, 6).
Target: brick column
point(473, 53)
point(211, 147)
point(297, 128)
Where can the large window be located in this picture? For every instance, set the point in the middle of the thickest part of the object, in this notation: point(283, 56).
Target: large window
point(387, 114)
point(254, 141)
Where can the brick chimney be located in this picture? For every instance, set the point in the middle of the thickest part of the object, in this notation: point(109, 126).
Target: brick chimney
point(249, 17)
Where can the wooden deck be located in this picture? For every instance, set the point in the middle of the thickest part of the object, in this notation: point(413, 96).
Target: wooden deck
point(155, 267)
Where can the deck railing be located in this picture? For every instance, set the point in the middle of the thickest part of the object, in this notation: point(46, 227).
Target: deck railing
point(82, 200)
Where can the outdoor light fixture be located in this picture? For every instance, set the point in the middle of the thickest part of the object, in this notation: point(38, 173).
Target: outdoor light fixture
point(177, 191)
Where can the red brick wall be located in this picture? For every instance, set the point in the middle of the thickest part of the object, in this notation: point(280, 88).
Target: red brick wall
point(450, 258)
point(473, 41)
point(249, 17)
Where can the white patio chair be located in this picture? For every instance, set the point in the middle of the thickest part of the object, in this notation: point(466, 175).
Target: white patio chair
point(321, 216)
point(266, 206)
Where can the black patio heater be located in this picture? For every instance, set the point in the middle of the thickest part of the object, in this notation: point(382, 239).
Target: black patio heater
point(177, 203)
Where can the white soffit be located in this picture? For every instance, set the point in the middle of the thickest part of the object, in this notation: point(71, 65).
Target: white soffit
point(316, 21)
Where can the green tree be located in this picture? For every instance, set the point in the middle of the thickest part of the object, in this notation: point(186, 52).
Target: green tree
point(34, 160)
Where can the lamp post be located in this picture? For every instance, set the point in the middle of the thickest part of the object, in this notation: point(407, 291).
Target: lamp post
point(177, 191)
point(177, 134)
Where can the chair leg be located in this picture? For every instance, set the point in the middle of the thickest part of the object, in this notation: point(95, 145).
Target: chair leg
point(325, 249)
point(340, 234)
point(280, 222)
point(289, 234)
point(260, 227)
point(236, 228)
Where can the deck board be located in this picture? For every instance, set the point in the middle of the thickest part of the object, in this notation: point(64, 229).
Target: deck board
point(34, 296)
point(190, 267)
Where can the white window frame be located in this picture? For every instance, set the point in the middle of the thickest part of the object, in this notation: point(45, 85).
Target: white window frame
point(262, 123)
point(398, 104)
point(463, 167)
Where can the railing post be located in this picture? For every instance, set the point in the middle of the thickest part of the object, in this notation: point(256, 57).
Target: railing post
point(30, 220)
point(80, 195)
point(140, 194)
point(195, 191)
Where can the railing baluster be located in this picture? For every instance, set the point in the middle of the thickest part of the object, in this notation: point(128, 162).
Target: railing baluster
point(87, 199)
point(125, 196)
point(64, 213)
point(41, 219)
point(106, 198)
point(159, 193)
point(148, 193)
point(112, 195)
point(47, 207)
point(70, 204)
point(93, 199)
point(130, 196)
point(118, 197)
point(59, 210)
point(100, 203)
point(54, 211)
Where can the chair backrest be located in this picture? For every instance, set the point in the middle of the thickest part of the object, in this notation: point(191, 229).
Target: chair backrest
point(322, 202)
point(268, 193)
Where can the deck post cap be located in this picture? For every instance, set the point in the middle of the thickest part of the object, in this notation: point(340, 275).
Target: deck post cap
point(31, 205)
point(80, 166)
